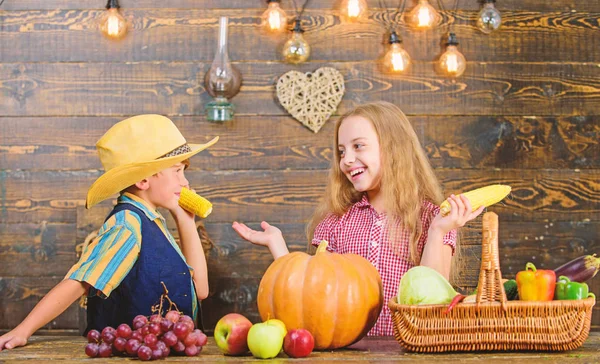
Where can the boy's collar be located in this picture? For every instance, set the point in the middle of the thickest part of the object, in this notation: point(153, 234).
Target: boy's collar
point(140, 203)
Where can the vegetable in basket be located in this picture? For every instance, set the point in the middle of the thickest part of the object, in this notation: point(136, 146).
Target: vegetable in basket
point(580, 269)
point(536, 284)
point(422, 285)
point(567, 290)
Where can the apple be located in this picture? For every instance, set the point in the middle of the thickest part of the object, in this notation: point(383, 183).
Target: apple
point(231, 334)
point(298, 343)
point(265, 340)
point(279, 323)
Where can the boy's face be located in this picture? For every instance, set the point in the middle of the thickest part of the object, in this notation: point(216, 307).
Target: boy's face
point(358, 149)
point(165, 187)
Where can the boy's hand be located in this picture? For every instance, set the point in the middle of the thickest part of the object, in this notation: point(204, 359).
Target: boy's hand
point(459, 215)
point(12, 339)
point(180, 214)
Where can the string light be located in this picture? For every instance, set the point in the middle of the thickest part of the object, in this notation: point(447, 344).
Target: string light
point(423, 16)
point(274, 19)
point(112, 23)
point(353, 9)
point(296, 49)
point(397, 59)
point(489, 18)
point(452, 63)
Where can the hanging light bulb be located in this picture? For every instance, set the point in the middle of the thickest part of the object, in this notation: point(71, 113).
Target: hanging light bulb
point(296, 49)
point(353, 9)
point(396, 59)
point(452, 63)
point(423, 16)
point(274, 19)
point(112, 23)
point(489, 18)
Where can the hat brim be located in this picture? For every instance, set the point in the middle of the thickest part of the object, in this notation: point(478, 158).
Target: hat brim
point(119, 178)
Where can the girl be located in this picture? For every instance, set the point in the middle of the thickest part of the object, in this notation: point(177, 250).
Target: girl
point(381, 202)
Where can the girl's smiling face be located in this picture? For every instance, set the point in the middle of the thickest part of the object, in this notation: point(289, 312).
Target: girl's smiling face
point(360, 157)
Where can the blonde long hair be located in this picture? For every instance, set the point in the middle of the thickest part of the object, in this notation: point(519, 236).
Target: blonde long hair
point(407, 178)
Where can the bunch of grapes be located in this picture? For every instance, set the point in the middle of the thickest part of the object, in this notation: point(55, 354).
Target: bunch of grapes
point(149, 339)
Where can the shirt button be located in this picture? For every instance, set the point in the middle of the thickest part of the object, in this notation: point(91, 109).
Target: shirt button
point(378, 223)
point(374, 244)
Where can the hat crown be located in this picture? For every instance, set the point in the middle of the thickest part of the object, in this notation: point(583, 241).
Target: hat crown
point(138, 139)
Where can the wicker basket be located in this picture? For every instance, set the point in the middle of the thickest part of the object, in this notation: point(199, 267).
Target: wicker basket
point(492, 323)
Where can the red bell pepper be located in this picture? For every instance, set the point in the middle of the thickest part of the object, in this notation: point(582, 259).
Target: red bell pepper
point(536, 285)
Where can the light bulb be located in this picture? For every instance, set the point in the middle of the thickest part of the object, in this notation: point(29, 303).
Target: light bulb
point(353, 9)
point(423, 16)
point(452, 63)
point(112, 24)
point(296, 49)
point(489, 18)
point(397, 59)
point(274, 19)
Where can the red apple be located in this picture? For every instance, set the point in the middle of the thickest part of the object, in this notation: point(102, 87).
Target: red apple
point(298, 343)
point(231, 334)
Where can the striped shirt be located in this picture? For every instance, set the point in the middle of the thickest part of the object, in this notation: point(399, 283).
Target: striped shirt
point(361, 230)
point(108, 258)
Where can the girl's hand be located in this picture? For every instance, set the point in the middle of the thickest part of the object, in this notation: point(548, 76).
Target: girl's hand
point(271, 234)
point(460, 213)
point(12, 339)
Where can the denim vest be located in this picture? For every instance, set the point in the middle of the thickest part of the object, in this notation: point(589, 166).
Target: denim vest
point(157, 262)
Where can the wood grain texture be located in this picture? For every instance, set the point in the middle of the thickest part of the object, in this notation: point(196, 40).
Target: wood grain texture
point(103, 89)
point(291, 196)
point(536, 5)
point(524, 142)
point(171, 35)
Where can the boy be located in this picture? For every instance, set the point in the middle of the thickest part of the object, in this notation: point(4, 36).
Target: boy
point(121, 270)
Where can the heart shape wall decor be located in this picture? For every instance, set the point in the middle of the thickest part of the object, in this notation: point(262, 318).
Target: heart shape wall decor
point(311, 97)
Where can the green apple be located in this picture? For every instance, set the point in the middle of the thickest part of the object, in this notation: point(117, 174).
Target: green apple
point(265, 340)
point(279, 323)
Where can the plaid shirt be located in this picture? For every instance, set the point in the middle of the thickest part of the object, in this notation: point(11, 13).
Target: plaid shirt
point(361, 230)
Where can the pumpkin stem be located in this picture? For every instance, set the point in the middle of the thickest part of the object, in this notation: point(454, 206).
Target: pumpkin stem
point(322, 246)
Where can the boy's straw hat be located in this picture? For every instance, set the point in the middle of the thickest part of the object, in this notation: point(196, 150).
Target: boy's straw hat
point(137, 148)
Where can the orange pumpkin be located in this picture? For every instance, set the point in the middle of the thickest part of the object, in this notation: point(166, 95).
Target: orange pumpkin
point(337, 297)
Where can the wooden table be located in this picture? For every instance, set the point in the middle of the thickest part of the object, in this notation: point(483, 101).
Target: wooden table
point(70, 349)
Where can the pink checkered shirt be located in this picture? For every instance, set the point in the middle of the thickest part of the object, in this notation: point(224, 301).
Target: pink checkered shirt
point(361, 230)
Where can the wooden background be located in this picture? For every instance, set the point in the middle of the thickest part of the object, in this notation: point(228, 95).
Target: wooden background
point(524, 113)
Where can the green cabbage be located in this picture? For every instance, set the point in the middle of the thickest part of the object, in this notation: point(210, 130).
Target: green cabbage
point(424, 286)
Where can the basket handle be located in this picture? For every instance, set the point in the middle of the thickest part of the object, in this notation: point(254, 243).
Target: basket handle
point(490, 287)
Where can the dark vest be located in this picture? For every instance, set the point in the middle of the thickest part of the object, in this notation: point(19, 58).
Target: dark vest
point(158, 261)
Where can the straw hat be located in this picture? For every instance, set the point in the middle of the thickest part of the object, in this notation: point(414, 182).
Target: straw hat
point(136, 148)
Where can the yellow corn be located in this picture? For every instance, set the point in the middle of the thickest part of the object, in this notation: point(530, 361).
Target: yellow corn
point(194, 203)
point(484, 196)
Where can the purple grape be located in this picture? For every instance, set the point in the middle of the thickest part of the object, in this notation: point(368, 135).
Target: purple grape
point(145, 330)
point(108, 329)
point(144, 353)
point(137, 334)
point(157, 354)
point(91, 350)
point(169, 338)
point(166, 324)
point(124, 331)
point(179, 347)
point(108, 337)
point(186, 318)
point(132, 346)
point(190, 339)
point(150, 340)
point(120, 344)
point(191, 350)
point(172, 316)
point(105, 350)
point(93, 336)
point(202, 339)
point(166, 351)
point(154, 328)
point(141, 318)
point(181, 329)
point(138, 324)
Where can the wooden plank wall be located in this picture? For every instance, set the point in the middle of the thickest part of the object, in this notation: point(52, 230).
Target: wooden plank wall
point(524, 113)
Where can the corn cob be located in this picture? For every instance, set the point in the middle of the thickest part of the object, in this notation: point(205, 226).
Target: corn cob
point(484, 196)
point(194, 203)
